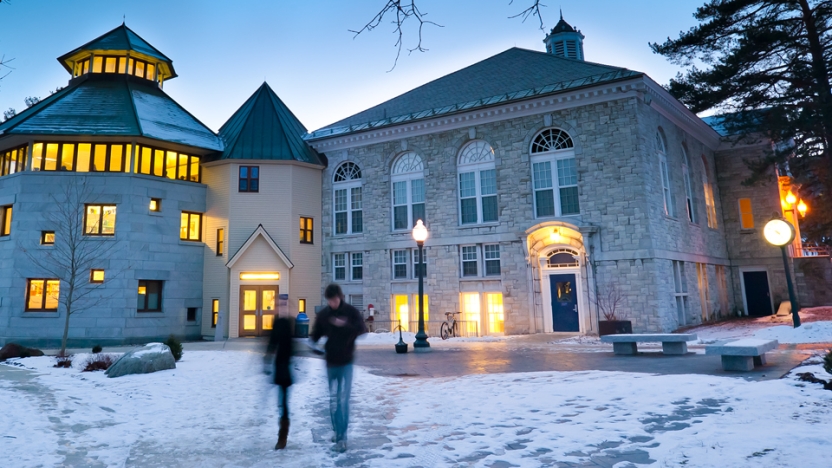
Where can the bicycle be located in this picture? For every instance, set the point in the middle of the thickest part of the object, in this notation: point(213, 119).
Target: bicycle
point(447, 330)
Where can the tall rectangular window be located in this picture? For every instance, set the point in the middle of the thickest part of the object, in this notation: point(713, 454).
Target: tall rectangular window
point(746, 214)
point(356, 210)
point(491, 253)
point(215, 312)
point(468, 197)
point(99, 220)
point(469, 260)
point(419, 265)
point(341, 220)
point(470, 314)
point(400, 264)
point(249, 179)
point(568, 185)
point(548, 199)
point(680, 286)
point(543, 194)
point(220, 242)
point(488, 186)
point(301, 306)
point(722, 288)
point(408, 203)
point(357, 270)
point(494, 311)
point(704, 294)
point(339, 262)
point(150, 296)
point(190, 226)
point(305, 230)
point(669, 209)
point(42, 295)
point(5, 220)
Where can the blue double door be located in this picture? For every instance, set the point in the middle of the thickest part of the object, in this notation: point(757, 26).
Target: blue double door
point(564, 296)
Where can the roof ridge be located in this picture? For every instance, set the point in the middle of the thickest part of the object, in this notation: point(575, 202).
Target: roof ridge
point(253, 99)
point(133, 106)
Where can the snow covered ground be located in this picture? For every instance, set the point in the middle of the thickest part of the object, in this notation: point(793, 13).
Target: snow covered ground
point(217, 409)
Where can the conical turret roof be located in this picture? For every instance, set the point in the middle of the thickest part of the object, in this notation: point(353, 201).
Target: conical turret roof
point(264, 128)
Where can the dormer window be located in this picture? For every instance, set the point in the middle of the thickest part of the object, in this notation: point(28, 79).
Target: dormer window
point(117, 65)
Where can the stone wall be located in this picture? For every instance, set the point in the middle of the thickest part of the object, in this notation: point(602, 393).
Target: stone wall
point(813, 280)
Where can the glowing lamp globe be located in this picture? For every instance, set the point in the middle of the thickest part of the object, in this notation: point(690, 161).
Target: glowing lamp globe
point(420, 232)
point(778, 232)
point(790, 198)
point(802, 208)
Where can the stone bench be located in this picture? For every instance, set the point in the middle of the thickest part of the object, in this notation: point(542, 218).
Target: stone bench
point(672, 343)
point(742, 355)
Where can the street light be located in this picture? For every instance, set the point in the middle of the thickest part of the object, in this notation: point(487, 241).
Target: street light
point(780, 233)
point(421, 345)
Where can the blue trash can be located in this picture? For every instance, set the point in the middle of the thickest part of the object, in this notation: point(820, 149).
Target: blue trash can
point(302, 326)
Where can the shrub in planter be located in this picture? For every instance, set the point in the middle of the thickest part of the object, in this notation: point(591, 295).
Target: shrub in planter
point(99, 361)
point(608, 303)
point(96, 349)
point(175, 347)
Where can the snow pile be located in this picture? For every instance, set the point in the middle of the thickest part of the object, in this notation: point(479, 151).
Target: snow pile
point(812, 332)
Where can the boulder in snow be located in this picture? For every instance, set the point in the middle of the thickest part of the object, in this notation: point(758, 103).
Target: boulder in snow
point(14, 350)
point(149, 358)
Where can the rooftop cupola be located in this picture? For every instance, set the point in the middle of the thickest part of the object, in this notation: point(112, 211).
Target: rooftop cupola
point(120, 51)
point(565, 41)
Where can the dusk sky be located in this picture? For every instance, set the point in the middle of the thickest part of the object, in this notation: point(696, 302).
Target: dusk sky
point(223, 50)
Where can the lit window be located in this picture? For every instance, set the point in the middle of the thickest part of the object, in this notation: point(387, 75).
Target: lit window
point(97, 63)
point(301, 306)
point(408, 191)
point(470, 314)
point(155, 204)
point(110, 64)
point(220, 242)
point(709, 194)
point(215, 312)
point(190, 226)
point(13, 160)
point(249, 179)
point(47, 237)
point(163, 163)
point(5, 220)
point(469, 260)
point(100, 220)
point(42, 295)
point(150, 296)
point(494, 311)
point(349, 215)
point(746, 214)
point(477, 183)
point(401, 310)
point(96, 276)
point(305, 230)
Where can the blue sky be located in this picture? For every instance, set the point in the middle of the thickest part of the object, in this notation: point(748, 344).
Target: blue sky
point(223, 50)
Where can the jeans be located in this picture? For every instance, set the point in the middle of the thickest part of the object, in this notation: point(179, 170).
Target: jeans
point(283, 401)
point(340, 381)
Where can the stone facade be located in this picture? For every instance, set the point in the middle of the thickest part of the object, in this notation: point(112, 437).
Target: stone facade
point(148, 247)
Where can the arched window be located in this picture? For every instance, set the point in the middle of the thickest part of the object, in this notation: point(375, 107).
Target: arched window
point(408, 189)
point(346, 185)
point(554, 174)
point(661, 150)
point(710, 206)
point(562, 258)
point(689, 200)
point(477, 183)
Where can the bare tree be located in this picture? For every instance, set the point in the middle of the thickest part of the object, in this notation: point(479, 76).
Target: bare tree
point(403, 11)
point(74, 253)
point(608, 301)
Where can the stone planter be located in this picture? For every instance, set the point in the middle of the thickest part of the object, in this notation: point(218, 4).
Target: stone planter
point(615, 327)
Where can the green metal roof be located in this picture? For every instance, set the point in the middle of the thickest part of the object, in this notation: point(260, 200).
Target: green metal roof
point(113, 106)
point(512, 75)
point(121, 38)
point(264, 128)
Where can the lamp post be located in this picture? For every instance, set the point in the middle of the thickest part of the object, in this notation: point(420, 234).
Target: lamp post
point(421, 345)
point(780, 233)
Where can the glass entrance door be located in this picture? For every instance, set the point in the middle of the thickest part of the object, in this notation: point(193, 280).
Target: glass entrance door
point(258, 306)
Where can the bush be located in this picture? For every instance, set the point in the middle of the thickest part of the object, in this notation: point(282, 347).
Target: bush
point(64, 361)
point(99, 362)
point(827, 362)
point(96, 349)
point(175, 347)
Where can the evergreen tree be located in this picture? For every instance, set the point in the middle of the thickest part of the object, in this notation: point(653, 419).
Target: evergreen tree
point(765, 65)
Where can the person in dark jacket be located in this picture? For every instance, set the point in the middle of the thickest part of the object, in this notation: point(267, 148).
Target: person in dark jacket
point(280, 348)
point(341, 323)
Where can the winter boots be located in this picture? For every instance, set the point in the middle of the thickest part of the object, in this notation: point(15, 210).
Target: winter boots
point(282, 434)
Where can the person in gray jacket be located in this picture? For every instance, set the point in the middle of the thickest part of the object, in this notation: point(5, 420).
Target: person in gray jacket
point(341, 323)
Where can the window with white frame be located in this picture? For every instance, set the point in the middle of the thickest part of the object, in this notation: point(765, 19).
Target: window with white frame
point(689, 200)
point(661, 149)
point(347, 202)
point(357, 266)
point(553, 161)
point(470, 263)
point(408, 179)
point(477, 184)
point(491, 254)
point(710, 206)
point(680, 285)
point(400, 264)
point(339, 263)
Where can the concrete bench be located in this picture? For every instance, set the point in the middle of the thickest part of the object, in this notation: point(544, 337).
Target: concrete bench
point(672, 343)
point(742, 355)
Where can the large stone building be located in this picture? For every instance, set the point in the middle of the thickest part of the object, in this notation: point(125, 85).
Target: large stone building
point(550, 186)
